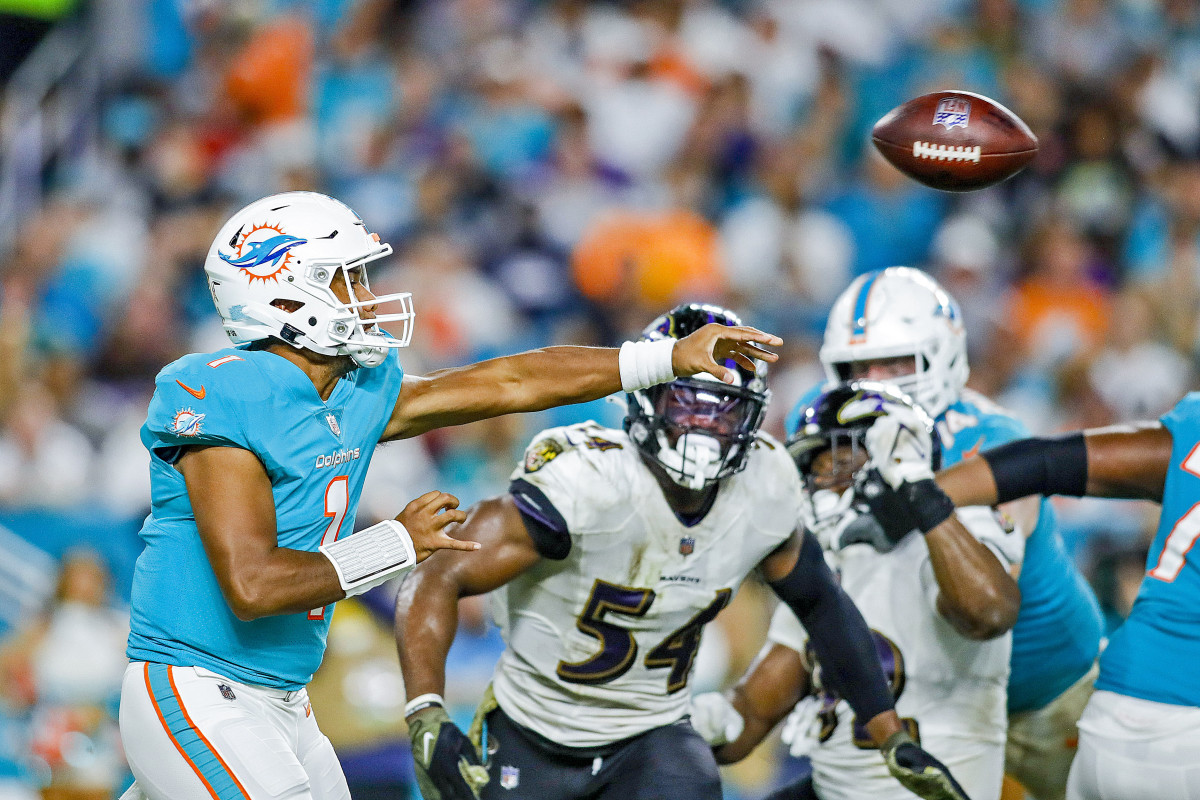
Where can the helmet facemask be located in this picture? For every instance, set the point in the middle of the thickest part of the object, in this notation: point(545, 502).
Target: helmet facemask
point(697, 430)
point(829, 462)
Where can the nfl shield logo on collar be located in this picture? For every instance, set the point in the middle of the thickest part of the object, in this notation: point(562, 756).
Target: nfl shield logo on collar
point(226, 692)
point(686, 545)
point(333, 424)
point(509, 777)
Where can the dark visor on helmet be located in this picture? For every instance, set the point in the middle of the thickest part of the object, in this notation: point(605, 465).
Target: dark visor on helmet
point(716, 410)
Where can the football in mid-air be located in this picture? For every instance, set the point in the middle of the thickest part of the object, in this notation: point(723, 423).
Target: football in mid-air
point(955, 141)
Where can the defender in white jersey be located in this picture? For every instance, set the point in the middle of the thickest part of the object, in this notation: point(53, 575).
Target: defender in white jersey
point(258, 457)
point(608, 556)
point(939, 607)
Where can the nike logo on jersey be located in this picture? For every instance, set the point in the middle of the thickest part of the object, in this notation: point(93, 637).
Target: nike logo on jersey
point(425, 744)
point(974, 451)
point(196, 393)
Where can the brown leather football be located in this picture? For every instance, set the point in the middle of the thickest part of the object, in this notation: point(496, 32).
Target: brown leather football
point(955, 141)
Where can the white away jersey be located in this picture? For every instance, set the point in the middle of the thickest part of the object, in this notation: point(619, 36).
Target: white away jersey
point(953, 689)
point(600, 645)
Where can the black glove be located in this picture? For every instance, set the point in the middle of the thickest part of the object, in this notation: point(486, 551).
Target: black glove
point(921, 505)
point(448, 767)
point(886, 505)
point(918, 771)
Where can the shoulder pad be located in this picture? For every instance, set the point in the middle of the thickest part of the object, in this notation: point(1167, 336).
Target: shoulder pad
point(1185, 412)
point(772, 486)
point(586, 438)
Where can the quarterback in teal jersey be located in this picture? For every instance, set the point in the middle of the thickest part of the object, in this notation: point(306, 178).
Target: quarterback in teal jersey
point(899, 326)
point(258, 457)
point(1140, 733)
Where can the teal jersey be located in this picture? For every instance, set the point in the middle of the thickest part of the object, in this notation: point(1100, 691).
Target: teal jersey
point(1059, 624)
point(1153, 655)
point(316, 455)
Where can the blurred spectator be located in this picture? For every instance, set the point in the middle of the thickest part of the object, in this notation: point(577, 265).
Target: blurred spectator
point(891, 219)
point(1082, 40)
point(45, 461)
point(74, 740)
point(1059, 311)
point(1136, 375)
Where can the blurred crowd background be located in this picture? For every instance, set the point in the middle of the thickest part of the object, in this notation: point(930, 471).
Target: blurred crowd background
point(548, 172)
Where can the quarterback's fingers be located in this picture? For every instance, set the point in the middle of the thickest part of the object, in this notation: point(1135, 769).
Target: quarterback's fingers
point(444, 542)
point(745, 362)
point(746, 333)
point(434, 501)
point(750, 348)
point(447, 518)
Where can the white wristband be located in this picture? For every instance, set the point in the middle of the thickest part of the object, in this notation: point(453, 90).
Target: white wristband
point(423, 701)
point(645, 364)
point(371, 556)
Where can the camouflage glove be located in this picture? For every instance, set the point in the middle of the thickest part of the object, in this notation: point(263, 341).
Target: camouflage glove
point(447, 764)
point(918, 771)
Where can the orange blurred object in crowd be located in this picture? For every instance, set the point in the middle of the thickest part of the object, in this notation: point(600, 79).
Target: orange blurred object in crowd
point(656, 259)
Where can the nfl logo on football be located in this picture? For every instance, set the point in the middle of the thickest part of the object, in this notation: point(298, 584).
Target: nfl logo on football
point(953, 112)
point(686, 545)
point(509, 777)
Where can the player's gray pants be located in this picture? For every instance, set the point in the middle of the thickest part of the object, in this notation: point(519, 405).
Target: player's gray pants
point(190, 734)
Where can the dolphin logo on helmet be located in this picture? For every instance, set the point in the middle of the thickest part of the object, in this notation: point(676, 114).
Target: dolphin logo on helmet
point(267, 252)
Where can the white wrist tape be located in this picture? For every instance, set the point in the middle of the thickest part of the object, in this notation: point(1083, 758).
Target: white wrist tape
point(645, 364)
point(371, 556)
point(423, 701)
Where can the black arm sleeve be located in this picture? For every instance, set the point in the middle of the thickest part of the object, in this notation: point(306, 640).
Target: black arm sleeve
point(544, 522)
point(839, 634)
point(1056, 465)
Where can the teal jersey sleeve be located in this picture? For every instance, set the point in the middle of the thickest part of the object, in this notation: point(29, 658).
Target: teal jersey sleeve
point(196, 403)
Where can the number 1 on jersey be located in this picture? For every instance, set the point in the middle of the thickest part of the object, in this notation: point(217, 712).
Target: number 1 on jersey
point(337, 499)
point(1183, 535)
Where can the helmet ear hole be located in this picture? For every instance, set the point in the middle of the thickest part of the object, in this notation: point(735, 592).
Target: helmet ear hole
point(290, 306)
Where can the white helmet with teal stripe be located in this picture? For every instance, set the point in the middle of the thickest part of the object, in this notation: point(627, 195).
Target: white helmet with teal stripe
point(897, 312)
point(273, 268)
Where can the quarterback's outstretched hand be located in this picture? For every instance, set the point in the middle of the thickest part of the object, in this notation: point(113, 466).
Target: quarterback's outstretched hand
point(918, 771)
point(426, 520)
point(900, 444)
point(707, 349)
point(448, 767)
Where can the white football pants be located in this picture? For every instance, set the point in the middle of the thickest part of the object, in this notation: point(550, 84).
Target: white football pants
point(1133, 749)
point(190, 734)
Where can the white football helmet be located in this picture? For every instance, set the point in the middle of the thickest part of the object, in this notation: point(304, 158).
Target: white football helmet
point(271, 271)
point(896, 312)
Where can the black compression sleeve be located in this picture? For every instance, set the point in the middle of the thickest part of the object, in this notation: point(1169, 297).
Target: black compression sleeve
point(839, 635)
point(1056, 465)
